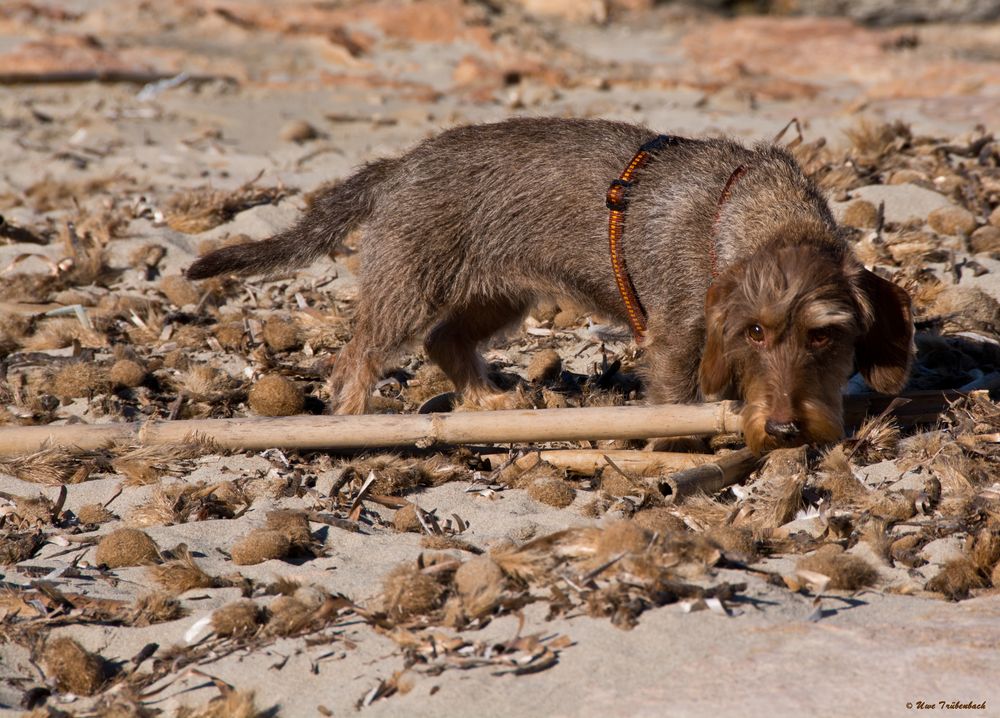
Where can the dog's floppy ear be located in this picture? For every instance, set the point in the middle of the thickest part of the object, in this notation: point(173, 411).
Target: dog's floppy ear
point(715, 373)
point(885, 351)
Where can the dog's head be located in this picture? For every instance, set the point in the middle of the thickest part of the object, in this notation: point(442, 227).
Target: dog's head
point(784, 331)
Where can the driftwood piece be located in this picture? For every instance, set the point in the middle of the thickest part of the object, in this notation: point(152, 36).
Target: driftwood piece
point(586, 462)
point(141, 77)
point(28, 308)
point(710, 478)
point(388, 430)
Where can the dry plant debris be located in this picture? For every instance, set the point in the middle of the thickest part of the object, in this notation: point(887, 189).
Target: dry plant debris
point(182, 573)
point(275, 395)
point(74, 669)
point(126, 547)
point(261, 545)
point(231, 704)
point(198, 210)
point(845, 572)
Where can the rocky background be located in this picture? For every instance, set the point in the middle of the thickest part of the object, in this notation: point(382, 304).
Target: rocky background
point(179, 580)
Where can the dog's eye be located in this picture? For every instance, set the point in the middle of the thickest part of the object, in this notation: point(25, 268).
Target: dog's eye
point(755, 333)
point(819, 338)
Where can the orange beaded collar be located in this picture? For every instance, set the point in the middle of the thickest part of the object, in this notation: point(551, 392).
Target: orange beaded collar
point(617, 202)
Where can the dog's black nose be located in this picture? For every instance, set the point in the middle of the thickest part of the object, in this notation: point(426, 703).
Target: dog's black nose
point(783, 431)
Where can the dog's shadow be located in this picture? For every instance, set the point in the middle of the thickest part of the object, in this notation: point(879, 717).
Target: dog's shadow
point(955, 362)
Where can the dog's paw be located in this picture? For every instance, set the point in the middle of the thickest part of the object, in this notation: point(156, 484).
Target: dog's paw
point(518, 398)
point(682, 444)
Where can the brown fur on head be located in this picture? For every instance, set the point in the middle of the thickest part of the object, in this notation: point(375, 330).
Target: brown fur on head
point(785, 329)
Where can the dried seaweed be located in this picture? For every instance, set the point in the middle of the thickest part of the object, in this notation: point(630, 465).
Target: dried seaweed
point(201, 209)
point(395, 475)
point(53, 466)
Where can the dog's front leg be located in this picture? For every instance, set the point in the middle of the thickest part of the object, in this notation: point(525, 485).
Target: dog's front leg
point(670, 376)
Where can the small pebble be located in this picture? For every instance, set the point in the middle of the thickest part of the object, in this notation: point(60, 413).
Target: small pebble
point(126, 372)
point(298, 131)
point(907, 177)
point(995, 216)
point(545, 365)
point(275, 395)
point(985, 239)
point(861, 214)
point(565, 319)
point(952, 220)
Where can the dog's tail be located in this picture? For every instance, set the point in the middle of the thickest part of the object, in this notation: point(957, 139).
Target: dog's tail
point(331, 216)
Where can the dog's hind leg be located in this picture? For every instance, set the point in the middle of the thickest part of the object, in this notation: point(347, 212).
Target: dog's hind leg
point(355, 373)
point(389, 315)
point(452, 343)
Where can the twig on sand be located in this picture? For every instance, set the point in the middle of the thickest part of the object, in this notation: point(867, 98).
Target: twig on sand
point(341, 433)
point(393, 430)
point(586, 462)
point(712, 477)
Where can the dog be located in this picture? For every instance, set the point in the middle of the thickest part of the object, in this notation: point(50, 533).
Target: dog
point(728, 265)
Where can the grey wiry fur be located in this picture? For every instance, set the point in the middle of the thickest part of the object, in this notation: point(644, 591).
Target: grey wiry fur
point(464, 232)
point(335, 213)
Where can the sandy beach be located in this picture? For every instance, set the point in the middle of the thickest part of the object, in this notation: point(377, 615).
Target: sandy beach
point(185, 580)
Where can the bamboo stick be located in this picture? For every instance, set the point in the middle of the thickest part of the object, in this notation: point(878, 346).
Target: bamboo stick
point(586, 462)
point(388, 430)
point(424, 430)
point(711, 478)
